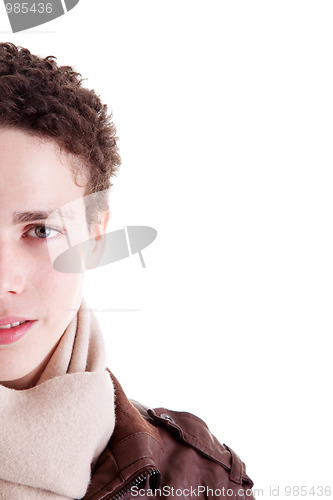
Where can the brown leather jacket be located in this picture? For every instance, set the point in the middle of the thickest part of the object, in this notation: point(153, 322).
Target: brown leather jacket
point(171, 451)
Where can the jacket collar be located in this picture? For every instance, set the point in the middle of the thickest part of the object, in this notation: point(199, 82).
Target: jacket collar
point(132, 454)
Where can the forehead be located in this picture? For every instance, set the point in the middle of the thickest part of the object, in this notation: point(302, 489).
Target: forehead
point(35, 174)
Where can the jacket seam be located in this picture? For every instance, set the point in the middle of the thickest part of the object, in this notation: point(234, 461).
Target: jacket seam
point(137, 460)
point(120, 477)
point(135, 434)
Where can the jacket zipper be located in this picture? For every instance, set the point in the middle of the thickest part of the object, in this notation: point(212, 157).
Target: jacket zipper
point(138, 480)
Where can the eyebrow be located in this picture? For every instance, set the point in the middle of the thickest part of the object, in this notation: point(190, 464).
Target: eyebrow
point(31, 216)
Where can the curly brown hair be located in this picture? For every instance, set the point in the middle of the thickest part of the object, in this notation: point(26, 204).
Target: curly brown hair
point(49, 101)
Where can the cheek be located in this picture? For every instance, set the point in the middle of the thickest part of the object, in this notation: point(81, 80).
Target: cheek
point(58, 294)
point(61, 292)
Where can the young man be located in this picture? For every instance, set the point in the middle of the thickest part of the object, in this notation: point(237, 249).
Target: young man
point(67, 428)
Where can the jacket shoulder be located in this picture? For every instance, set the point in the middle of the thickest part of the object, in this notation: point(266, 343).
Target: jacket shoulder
point(152, 449)
point(183, 428)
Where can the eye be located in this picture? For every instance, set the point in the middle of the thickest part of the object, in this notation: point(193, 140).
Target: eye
point(43, 232)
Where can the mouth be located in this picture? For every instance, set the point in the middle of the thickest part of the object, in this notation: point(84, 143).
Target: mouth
point(12, 325)
point(13, 329)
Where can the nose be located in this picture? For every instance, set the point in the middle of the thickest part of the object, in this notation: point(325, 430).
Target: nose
point(11, 270)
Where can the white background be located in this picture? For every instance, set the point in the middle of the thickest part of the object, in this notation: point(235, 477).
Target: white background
point(224, 113)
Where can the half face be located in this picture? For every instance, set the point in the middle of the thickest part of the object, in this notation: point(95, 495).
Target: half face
point(35, 180)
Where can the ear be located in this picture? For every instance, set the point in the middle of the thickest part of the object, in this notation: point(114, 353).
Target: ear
point(98, 241)
point(99, 229)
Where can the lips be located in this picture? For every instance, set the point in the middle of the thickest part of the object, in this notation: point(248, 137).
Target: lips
point(13, 328)
point(5, 320)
